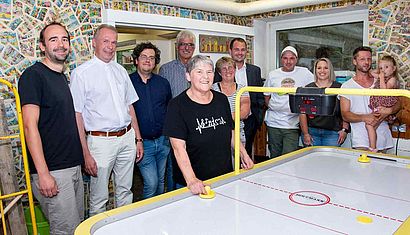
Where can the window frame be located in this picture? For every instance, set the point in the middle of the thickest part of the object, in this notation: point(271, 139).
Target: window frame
point(329, 17)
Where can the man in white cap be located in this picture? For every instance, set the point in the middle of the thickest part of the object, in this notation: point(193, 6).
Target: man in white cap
point(283, 126)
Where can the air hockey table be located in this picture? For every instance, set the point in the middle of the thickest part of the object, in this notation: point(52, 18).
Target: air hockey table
point(316, 190)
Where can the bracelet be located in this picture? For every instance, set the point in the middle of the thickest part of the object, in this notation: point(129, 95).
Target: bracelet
point(138, 140)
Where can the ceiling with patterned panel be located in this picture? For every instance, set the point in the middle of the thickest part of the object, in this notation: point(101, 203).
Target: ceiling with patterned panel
point(240, 7)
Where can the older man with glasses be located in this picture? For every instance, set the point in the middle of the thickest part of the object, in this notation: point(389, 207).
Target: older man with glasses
point(174, 72)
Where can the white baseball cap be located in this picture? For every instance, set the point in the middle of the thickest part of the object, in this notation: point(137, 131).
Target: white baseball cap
point(291, 49)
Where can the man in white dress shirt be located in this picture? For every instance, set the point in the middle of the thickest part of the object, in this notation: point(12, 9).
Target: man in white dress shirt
point(103, 96)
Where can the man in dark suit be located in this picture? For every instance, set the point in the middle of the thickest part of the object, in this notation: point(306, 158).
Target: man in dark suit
point(247, 75)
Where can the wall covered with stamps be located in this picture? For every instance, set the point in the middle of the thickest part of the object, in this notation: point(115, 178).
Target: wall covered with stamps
point(22, 20)
point(389, 32)
point(20, 24)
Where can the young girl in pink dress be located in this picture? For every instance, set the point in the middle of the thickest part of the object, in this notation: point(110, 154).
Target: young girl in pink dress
point(387, 79)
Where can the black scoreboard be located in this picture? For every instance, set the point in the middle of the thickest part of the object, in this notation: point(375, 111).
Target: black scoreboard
point(311, 100)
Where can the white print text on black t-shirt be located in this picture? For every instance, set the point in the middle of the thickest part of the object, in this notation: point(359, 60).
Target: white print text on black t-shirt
point(209, 123)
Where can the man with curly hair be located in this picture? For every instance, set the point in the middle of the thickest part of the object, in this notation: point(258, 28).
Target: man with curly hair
point(154, 92)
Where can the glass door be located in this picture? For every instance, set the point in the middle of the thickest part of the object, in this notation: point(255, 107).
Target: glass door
point(333, 35)
point(335, 42)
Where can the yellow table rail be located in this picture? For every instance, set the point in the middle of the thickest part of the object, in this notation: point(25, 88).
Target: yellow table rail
point(86, 228)
point(25, 163)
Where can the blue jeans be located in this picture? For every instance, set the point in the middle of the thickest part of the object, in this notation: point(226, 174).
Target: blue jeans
point(152, 166)
point(322, 137)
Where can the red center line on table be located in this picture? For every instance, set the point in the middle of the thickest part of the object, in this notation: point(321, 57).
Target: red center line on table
point(330, 203)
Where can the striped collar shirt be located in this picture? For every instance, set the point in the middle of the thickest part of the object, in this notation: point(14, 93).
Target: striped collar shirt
point(174, 72)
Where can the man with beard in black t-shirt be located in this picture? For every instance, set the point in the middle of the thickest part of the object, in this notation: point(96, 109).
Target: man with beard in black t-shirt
point(54, 147)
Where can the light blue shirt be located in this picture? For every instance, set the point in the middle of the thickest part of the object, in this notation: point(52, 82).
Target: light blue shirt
point(174, 71)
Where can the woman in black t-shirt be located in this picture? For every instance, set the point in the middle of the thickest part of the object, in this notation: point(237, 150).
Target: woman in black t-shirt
point(324, 130)
point(199, 124)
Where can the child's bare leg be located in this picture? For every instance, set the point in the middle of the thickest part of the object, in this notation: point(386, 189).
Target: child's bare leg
point(371, 132)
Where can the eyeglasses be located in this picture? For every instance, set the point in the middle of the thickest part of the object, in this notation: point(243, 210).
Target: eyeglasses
point(227, 69)
point(145, 58)
point(183, 44)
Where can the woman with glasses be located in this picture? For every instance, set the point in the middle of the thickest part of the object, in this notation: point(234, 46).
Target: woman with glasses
point(225, 66)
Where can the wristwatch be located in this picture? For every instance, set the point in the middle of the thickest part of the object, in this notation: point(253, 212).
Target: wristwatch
point(345, 130)
point(138, 140)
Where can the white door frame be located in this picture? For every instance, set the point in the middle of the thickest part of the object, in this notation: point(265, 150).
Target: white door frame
point(128, 18)
point(145, 20)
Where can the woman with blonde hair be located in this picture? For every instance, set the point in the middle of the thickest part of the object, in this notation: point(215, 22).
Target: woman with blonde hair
point(324, 130)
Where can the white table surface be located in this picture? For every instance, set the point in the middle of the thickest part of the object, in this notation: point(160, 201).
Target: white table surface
point(261, 203)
